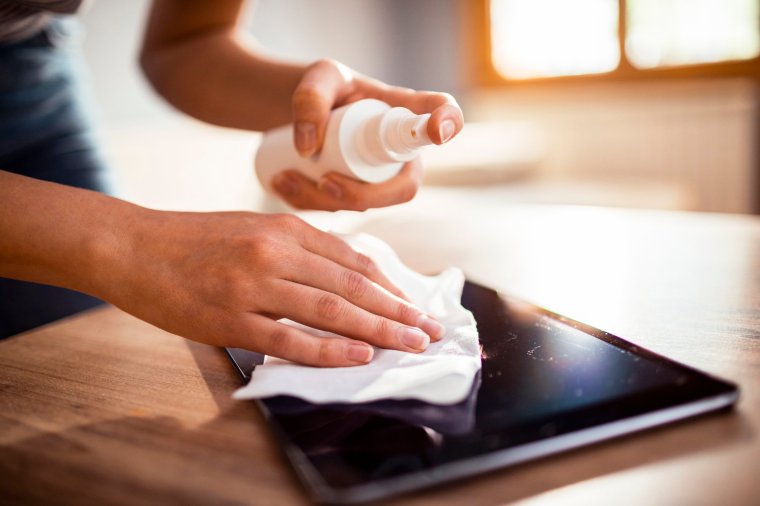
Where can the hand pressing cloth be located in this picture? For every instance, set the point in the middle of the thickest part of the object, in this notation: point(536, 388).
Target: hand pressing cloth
point(442, 374)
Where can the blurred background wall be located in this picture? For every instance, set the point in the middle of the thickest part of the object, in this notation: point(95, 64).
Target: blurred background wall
point(673, 139)
point(412, 43)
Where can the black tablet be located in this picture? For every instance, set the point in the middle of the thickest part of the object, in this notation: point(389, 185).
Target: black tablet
point(548, 384)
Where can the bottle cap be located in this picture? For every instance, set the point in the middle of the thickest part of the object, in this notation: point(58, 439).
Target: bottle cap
point(394, 136)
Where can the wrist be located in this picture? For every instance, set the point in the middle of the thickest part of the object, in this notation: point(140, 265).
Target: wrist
point(109, 247)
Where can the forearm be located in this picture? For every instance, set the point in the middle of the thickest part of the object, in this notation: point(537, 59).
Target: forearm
point(59, 235)
point(205, 66)
point(217, 278)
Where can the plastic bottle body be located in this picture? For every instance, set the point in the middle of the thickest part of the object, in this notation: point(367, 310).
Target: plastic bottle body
point(362, 141)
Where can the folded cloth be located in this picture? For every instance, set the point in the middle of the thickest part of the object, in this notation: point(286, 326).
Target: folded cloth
point(442, 374)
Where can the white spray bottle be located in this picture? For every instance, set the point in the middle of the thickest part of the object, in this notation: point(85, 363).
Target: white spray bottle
point(366, 140)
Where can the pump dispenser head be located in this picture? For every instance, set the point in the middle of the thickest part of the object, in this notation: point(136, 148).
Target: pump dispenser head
point(394, 136)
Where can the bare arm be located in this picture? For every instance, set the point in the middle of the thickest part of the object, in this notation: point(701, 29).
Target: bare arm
point(51, 233)
point(217, 278)
point(197, 59)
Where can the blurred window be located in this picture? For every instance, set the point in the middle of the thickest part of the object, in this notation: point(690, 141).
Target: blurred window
point(544, 38)
point(665, 33)
point(532, 39)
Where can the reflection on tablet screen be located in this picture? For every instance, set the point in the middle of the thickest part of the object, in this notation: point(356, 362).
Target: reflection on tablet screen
point(543, 376)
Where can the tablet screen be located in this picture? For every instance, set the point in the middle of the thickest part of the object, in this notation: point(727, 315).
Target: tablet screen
point(543, 375)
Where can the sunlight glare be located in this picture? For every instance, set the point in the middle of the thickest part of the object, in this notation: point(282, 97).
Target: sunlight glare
point(665, 33)
point(545, 38)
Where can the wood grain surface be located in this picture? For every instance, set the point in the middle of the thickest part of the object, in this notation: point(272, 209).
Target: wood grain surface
point(102, 408)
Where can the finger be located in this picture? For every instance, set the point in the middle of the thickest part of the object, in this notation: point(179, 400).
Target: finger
point(359, 195)
point(312, 101)
point(339, 251)
point(445, 122)
point(331, 312)
point(279, 340)
point(336, 192)
point(302, 193)
point(446, 118)
point(319, 272)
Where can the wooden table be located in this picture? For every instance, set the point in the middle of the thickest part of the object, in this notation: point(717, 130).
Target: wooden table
point(102, 408)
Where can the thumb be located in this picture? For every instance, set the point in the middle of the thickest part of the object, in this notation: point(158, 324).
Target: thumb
point(313, 99)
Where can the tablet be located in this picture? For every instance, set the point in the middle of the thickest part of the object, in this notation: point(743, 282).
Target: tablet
point(548, 384)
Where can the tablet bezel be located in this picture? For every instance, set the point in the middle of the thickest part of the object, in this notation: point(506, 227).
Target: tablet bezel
point(621, 416)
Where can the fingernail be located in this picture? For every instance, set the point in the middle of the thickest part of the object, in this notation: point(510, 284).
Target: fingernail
point(446, 130)
point(413, 338)
point(306, 138)
point(331, 188)
point(433, 328)
point(359, 352)
point(285, 184)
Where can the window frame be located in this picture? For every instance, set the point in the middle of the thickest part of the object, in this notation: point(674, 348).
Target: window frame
point(488, 76)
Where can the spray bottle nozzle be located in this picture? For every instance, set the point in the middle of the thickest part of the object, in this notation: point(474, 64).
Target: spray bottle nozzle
point(411, 133)
point(394, 136)
point(404, 132)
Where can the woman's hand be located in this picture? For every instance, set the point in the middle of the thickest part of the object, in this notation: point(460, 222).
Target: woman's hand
point(244, 87)
point(328, 84)
point(225, 278)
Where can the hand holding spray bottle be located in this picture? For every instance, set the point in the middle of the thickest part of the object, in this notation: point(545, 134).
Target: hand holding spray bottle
point(367, 140)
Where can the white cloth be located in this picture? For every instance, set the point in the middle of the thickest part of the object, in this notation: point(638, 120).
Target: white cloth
point(442, 374)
